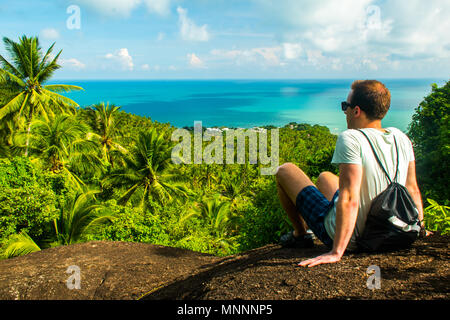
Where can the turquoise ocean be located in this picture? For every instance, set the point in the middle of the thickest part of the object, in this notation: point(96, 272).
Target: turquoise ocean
point(247, 103)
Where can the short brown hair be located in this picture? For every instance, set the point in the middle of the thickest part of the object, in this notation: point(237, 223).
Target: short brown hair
point(372, 97)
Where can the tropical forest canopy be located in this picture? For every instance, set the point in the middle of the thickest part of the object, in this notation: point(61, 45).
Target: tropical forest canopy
point(71, 174)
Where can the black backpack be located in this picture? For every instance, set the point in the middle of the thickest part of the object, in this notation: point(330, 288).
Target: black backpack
point(393, 219)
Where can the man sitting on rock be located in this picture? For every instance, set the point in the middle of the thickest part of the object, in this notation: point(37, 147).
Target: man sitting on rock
point(336, 208)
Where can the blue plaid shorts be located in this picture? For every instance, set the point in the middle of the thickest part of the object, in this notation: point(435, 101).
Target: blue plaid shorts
point(313, 207)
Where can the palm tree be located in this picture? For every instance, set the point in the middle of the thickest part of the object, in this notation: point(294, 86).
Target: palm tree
point(220, 219)
point(217, 214)
point(4, 150)
point(103, 121)
point(61, 146)
point(7, 129)
point(80, 216)
point(233, 186)
point(207, 174)
point(22, 82)
point(8, 125)
point(147, 170)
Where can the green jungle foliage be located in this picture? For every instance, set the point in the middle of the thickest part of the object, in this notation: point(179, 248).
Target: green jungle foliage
point(430, 134)
point(29, 198)
point(437, 217)
point(70, 174)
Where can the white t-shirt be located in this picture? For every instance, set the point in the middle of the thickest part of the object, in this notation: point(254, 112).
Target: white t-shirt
point(353, 147)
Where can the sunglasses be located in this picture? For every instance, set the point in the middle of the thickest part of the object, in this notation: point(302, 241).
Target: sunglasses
point(345, 105)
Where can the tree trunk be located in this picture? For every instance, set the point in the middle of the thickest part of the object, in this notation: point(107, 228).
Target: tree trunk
point(28, 139)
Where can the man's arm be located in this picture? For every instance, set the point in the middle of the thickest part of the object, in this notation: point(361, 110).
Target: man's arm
point(347, 206)
point(346, 213)
point(413, 188)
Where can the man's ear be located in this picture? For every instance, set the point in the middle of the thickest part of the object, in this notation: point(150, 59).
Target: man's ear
point(356, 111)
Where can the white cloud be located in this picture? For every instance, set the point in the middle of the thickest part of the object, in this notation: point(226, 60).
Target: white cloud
point(292, 50)
point(270, 55)
point(319, 34)
point(195, 61)
point(264, 56)
point(370, 64)
point(49, 34)
point(161, 7)
point(315, 58)
point(336, 64)
point(189, 30)
point(346, 35)
point(227, 54)
point(123, 58)
point(147, 67)
point(331, 26)
point(72, 63)
point(421, 29)
point(362, 35)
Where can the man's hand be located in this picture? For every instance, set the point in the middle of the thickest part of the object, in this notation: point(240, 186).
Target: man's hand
point(330, 257)
point(425, 233)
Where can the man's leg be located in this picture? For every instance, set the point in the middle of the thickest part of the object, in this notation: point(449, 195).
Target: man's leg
point(328, 184)
point(290, 181)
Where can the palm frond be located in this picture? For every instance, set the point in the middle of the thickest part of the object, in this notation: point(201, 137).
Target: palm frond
point(62, 88)
point(48, 69)
point(80, 216)
point(74, 179)
point(12, 106)
point(19, 245)
point(8, 76)
point(127, 195)
point(17, 55)
point(59, 99)
point(46, 56)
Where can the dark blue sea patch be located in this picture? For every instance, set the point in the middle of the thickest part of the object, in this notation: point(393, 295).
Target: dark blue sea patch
point(211, 111)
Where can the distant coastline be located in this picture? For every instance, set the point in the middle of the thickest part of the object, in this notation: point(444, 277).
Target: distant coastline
point(247, 103)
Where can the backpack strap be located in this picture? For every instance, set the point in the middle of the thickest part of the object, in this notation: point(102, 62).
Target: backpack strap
point(396, 149)
point(378, 159)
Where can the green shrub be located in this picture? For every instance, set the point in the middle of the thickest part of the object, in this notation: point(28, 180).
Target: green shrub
point(437, 217)
point(202, 240)
point(430, 134)
point(262, 220)
point(131, 224)
point(28, 201)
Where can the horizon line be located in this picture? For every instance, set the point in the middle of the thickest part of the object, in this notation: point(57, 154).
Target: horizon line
point(243, 79)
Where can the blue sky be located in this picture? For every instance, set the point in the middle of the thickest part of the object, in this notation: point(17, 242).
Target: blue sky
point(257, 39)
